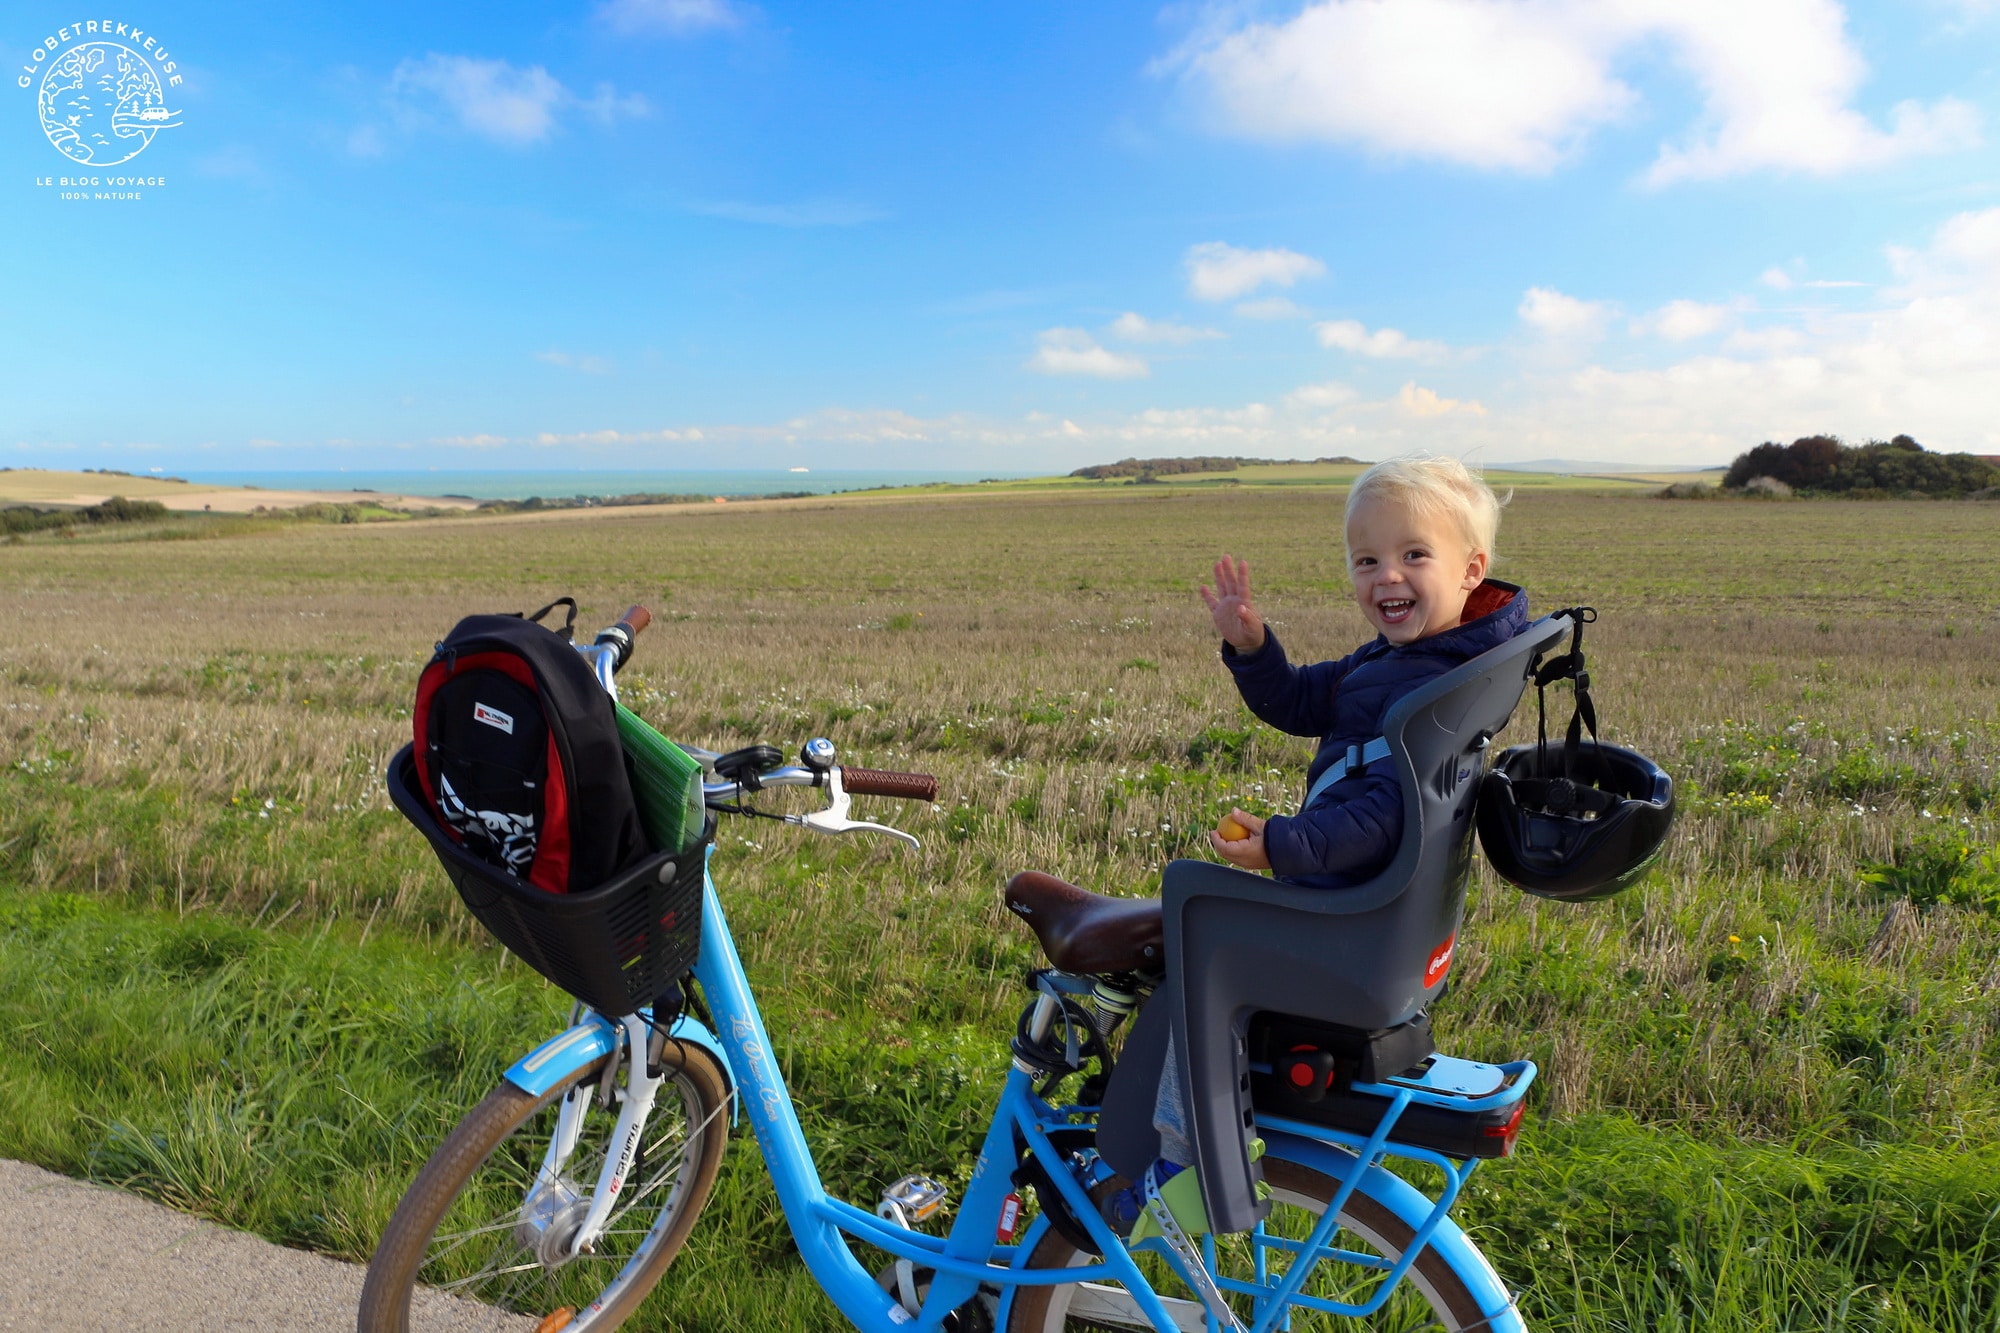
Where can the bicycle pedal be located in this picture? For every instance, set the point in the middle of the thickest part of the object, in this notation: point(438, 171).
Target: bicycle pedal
point(912, 1199)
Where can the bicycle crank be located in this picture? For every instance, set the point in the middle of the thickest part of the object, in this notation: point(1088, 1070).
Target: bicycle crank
point(910, 1283)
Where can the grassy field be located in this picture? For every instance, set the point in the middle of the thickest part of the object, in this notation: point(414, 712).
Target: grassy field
point(231, 978)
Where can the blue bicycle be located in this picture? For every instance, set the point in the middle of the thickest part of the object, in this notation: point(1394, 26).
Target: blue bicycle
point(560, 1200)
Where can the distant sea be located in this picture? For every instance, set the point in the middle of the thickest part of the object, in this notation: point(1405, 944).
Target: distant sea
point(549, 485)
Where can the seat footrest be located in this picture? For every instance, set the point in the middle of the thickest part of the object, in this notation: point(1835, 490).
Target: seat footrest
point(1350, 1055)
point(1305, 1070)
point(1460, 1134)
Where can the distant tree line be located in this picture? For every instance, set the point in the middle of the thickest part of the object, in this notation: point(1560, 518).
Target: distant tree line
point(1168, 467)
point(1822, 464)
point(118, 509)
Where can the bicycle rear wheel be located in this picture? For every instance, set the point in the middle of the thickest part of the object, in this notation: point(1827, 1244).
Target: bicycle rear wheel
point(455, 1255)
point(1431, 1297)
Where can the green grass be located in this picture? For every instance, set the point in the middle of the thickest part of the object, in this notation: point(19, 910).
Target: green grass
point(1769, 1076)
point(245, 1074)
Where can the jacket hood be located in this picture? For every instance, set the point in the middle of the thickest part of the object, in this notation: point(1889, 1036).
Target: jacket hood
point(1494, 613)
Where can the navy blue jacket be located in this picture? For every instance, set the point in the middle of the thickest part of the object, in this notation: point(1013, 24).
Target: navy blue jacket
point(1351, 832)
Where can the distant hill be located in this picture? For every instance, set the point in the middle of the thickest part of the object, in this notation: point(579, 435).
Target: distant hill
point(1584, 467)
point(1169, 467)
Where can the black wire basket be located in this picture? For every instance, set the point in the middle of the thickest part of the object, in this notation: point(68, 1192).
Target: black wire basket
point(615, 948)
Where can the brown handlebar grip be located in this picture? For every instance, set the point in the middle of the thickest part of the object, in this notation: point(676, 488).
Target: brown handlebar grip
point(636, 619)
point(880, 782)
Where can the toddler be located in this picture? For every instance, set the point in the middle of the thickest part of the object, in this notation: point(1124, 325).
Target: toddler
point(1419, 537)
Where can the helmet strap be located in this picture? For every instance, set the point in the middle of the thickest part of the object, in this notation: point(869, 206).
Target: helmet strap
point(1569, 667)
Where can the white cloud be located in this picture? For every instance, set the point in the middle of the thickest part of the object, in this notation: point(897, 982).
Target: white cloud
point(1272, 307)
point(1681, 321)
point(506, 104)
point(1483, 84)
point(1784, 279)
point(1922, 359)
point(805, 213)
point(676, 18)
point(1923, 363)
point(1422, 402)
point(1518, 86)
point(1074, 352)
point(1562, 318)
point(607, 106)
point(1331, 393)
point(1791, 114)
point(588, 365)
point(1136, 328)
point(1964, 252)
point(1350, 335)
point(1777, 341)
point(1218, 271)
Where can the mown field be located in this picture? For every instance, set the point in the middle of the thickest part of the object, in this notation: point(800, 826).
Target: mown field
point(230, 977)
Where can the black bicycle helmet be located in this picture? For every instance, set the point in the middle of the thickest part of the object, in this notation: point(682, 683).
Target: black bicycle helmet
point(1578, 820)
point(1585, 833)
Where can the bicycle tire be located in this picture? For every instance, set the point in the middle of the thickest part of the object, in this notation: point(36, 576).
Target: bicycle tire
point(1432, 1296)
point(475, 1275)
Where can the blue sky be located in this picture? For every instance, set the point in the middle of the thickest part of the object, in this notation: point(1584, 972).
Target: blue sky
point(706, 233)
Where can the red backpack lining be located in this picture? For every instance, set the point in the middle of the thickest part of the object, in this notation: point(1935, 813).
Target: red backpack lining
point(550, 870)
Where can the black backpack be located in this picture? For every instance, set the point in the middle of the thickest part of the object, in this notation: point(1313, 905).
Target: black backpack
point(518, 757)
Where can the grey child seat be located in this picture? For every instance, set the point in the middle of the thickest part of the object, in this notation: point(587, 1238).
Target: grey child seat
point(1369, 957)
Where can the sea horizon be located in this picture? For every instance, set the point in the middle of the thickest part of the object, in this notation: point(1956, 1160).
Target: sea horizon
point(508, 484)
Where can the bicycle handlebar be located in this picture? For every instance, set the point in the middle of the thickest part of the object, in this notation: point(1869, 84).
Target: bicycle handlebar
point(883, 782)
point(619, 637)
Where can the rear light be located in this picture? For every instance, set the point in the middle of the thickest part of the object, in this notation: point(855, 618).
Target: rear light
point(1507, 1132)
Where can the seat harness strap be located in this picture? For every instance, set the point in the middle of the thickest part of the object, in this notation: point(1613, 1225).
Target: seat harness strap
point(1357, 758)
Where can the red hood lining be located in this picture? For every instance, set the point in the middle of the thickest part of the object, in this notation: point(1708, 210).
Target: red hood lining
point(1484, 601)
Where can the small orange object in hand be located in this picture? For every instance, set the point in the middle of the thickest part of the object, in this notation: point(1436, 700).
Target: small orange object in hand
point(1231, 831)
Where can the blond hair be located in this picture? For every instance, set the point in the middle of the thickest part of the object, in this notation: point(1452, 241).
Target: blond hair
point(1434, 488)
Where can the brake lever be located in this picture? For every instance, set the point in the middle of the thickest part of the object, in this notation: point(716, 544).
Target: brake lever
point(834, 818)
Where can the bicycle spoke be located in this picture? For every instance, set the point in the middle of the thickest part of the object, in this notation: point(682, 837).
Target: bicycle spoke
point(497, 1272)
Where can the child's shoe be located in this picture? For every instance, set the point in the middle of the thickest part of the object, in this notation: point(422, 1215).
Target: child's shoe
point(1179, 1189)
point(1181, 1194)
point(1122, 1210)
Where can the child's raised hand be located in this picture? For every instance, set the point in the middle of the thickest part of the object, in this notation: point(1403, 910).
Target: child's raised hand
point(1239, 840)
point(1236, 620)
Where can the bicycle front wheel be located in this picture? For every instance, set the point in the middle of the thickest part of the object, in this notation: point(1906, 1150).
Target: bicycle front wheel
point(460, 1254)
point(1431, 1297)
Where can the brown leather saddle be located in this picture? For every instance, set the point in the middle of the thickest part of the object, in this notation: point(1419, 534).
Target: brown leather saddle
point(1088, 932)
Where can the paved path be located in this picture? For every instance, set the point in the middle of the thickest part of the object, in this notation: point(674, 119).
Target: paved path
point(80, 1258)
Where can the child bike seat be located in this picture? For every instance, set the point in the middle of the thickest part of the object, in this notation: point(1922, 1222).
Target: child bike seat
point(1368, 957)
point(1083, 931)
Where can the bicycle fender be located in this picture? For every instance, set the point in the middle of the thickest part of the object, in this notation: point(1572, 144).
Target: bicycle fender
point(563, 1054)
point(1410, 1205)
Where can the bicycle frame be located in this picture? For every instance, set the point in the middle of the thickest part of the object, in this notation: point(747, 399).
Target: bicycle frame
point(968, 1255)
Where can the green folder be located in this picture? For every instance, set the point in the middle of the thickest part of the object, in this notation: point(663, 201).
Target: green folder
point(668, 788)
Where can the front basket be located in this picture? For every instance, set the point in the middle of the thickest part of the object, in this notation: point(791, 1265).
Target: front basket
point(615, 947)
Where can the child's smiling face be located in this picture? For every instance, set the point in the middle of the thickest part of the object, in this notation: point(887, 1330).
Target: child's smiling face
point(1411, 571)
